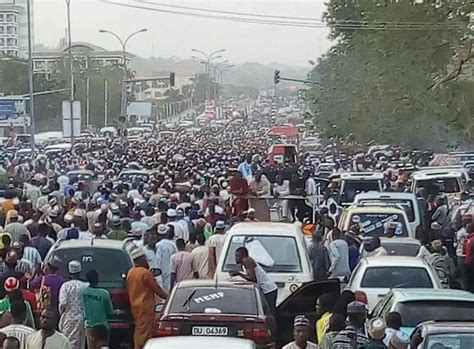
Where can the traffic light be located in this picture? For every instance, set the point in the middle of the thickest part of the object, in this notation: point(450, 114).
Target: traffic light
point(172, 79)
point(276, 77)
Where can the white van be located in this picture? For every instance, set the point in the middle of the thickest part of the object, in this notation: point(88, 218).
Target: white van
point(353, 183)
point(279, 248)
point(407, 201)
point(449, 182)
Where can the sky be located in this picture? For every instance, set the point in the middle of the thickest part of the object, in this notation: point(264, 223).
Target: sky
point(175, 35)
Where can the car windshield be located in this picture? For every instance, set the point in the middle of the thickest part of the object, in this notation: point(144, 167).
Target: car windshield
point(112, 264)
point(450, 340)
point(214, 300)
point(396, 277)
point(440, 185)
point(276, 254)
point(416, 312)
point(401, 249)
point(133, 176)
point(375, 224)
point(407, 205)
point(352, 188)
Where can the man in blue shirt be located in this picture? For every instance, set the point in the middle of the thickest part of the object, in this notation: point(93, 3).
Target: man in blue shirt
point(245, 167)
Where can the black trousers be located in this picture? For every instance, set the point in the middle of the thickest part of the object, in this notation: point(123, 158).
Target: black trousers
point(271, 300)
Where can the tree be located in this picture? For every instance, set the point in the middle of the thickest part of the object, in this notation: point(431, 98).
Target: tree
point(395, 85)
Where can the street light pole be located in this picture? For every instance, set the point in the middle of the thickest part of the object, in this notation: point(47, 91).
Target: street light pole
point(123, 43)
point(30, 79)
point(71, 72)
point(208, 59)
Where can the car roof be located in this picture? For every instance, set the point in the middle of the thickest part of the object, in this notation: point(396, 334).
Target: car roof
point(362, 176)
point(357, 208)
point(185, 342)
point(430, 174)
point(400, 240)
point(425, 294)
point(394, 261)
point(385, 195)
point(438, 327)
point(99, 243)
point(212, 283)
point(264, 228)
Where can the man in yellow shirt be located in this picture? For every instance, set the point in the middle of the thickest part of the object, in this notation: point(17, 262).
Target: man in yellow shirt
point(324, 306)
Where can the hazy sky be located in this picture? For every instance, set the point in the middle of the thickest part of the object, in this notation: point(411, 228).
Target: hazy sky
point(175, 35)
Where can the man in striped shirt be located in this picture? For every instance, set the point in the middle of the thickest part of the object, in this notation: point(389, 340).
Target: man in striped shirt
point(353, 336)
point(30, 253)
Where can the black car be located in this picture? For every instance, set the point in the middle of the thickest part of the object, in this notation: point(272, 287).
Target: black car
point(112, 260)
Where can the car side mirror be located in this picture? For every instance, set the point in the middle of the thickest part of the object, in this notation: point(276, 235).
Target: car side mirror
point(159, 308)
point(156, 272)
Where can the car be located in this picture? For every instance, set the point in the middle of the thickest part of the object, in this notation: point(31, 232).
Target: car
point(419, 305)
point(373, 277)
point(129, 176)
point(112, 260)
point(407, 201)
point(279, 248)
point(209, 308)
point(373, 219)
point(82, 175)
point(186, 342)
point(449, 182)
point(453, 335)
point(353, 183)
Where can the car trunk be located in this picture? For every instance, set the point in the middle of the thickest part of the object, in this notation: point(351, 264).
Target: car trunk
point(302, 301)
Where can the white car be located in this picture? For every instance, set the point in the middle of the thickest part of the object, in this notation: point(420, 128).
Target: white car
point(374, 277)
point(186, 342)
point(279, 248)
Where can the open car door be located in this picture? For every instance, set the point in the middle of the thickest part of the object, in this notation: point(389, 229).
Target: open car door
point(302, 302)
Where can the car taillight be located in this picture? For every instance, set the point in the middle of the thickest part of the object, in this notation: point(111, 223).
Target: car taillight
point(258, 332)
point(119, 295)
point(166, 328)
point(361, 297)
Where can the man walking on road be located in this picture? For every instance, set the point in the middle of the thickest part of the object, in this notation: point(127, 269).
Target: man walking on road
point(182, 264)
point(165, 248)
point(319, 256)
point(71, 322)
point(142, 288)
point(201, 258)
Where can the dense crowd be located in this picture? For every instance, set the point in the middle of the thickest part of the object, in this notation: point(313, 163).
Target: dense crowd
point(198, 183)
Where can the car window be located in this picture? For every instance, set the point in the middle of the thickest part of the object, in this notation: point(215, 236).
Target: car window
point(450, 340)
point(407, 205)
point(415, 312)
point(112, 264)
point(277, 254)
point(374, 224)
point(214, 300)
point(396, 277)
point(352, 188)
point(381, 304)
point(401, 249)
point(439, 185)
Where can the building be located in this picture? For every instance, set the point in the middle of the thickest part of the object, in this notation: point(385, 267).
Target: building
point(46, 62)
point(14, 28)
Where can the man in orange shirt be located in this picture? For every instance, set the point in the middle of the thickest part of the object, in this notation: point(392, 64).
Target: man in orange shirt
point(142, 288)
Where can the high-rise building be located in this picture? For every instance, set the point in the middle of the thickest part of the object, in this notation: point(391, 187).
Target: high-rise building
point(14, 27)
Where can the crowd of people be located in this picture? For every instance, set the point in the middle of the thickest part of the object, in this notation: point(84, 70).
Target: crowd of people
point(198, 184)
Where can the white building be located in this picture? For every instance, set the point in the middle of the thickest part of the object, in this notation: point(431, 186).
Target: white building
point(14, 27)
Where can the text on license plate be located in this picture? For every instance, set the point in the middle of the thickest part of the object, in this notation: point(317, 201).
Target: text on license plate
point(209, 331)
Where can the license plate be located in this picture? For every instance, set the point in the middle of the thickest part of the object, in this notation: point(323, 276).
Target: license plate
point(209, 331)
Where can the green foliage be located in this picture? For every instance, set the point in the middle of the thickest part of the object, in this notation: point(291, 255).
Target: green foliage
point(378, 84)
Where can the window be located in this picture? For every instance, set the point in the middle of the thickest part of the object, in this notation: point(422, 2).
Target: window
point(2, 29)
point(1, 17)
point(11, 30)
point(407, 205)
point(374, 224)
point(396, 277)
point(275, 254)
point(415, 312)
point(352, 188)
point(2, 42)
point(222, 299)
point(11, 42)
point(439, 185)
point(450, 340)
point(10, 18)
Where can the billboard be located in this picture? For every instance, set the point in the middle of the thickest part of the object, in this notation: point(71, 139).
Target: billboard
point(13, 113)
point(76, 118)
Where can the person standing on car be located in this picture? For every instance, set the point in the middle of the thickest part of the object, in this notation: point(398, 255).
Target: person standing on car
point(253, 272)
point(71, 321)
point(97, 306)
point(142, 288)
point(301, 329)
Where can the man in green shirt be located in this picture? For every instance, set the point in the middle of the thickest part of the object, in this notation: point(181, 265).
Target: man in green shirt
point(97, 307)
point(116, 233)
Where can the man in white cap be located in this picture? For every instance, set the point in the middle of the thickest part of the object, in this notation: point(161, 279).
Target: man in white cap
point(71, 322)
point(376, 330)
point(301, 330)
point(142, 289)
point(178, 228)
point(165, 248)
point(399, 340)
point(216, 243)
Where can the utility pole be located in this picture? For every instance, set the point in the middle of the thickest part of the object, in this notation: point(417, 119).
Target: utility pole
point(106, 103)
point(87, 102)
point(207, 62)
point(71, 72)
point(30, 79)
